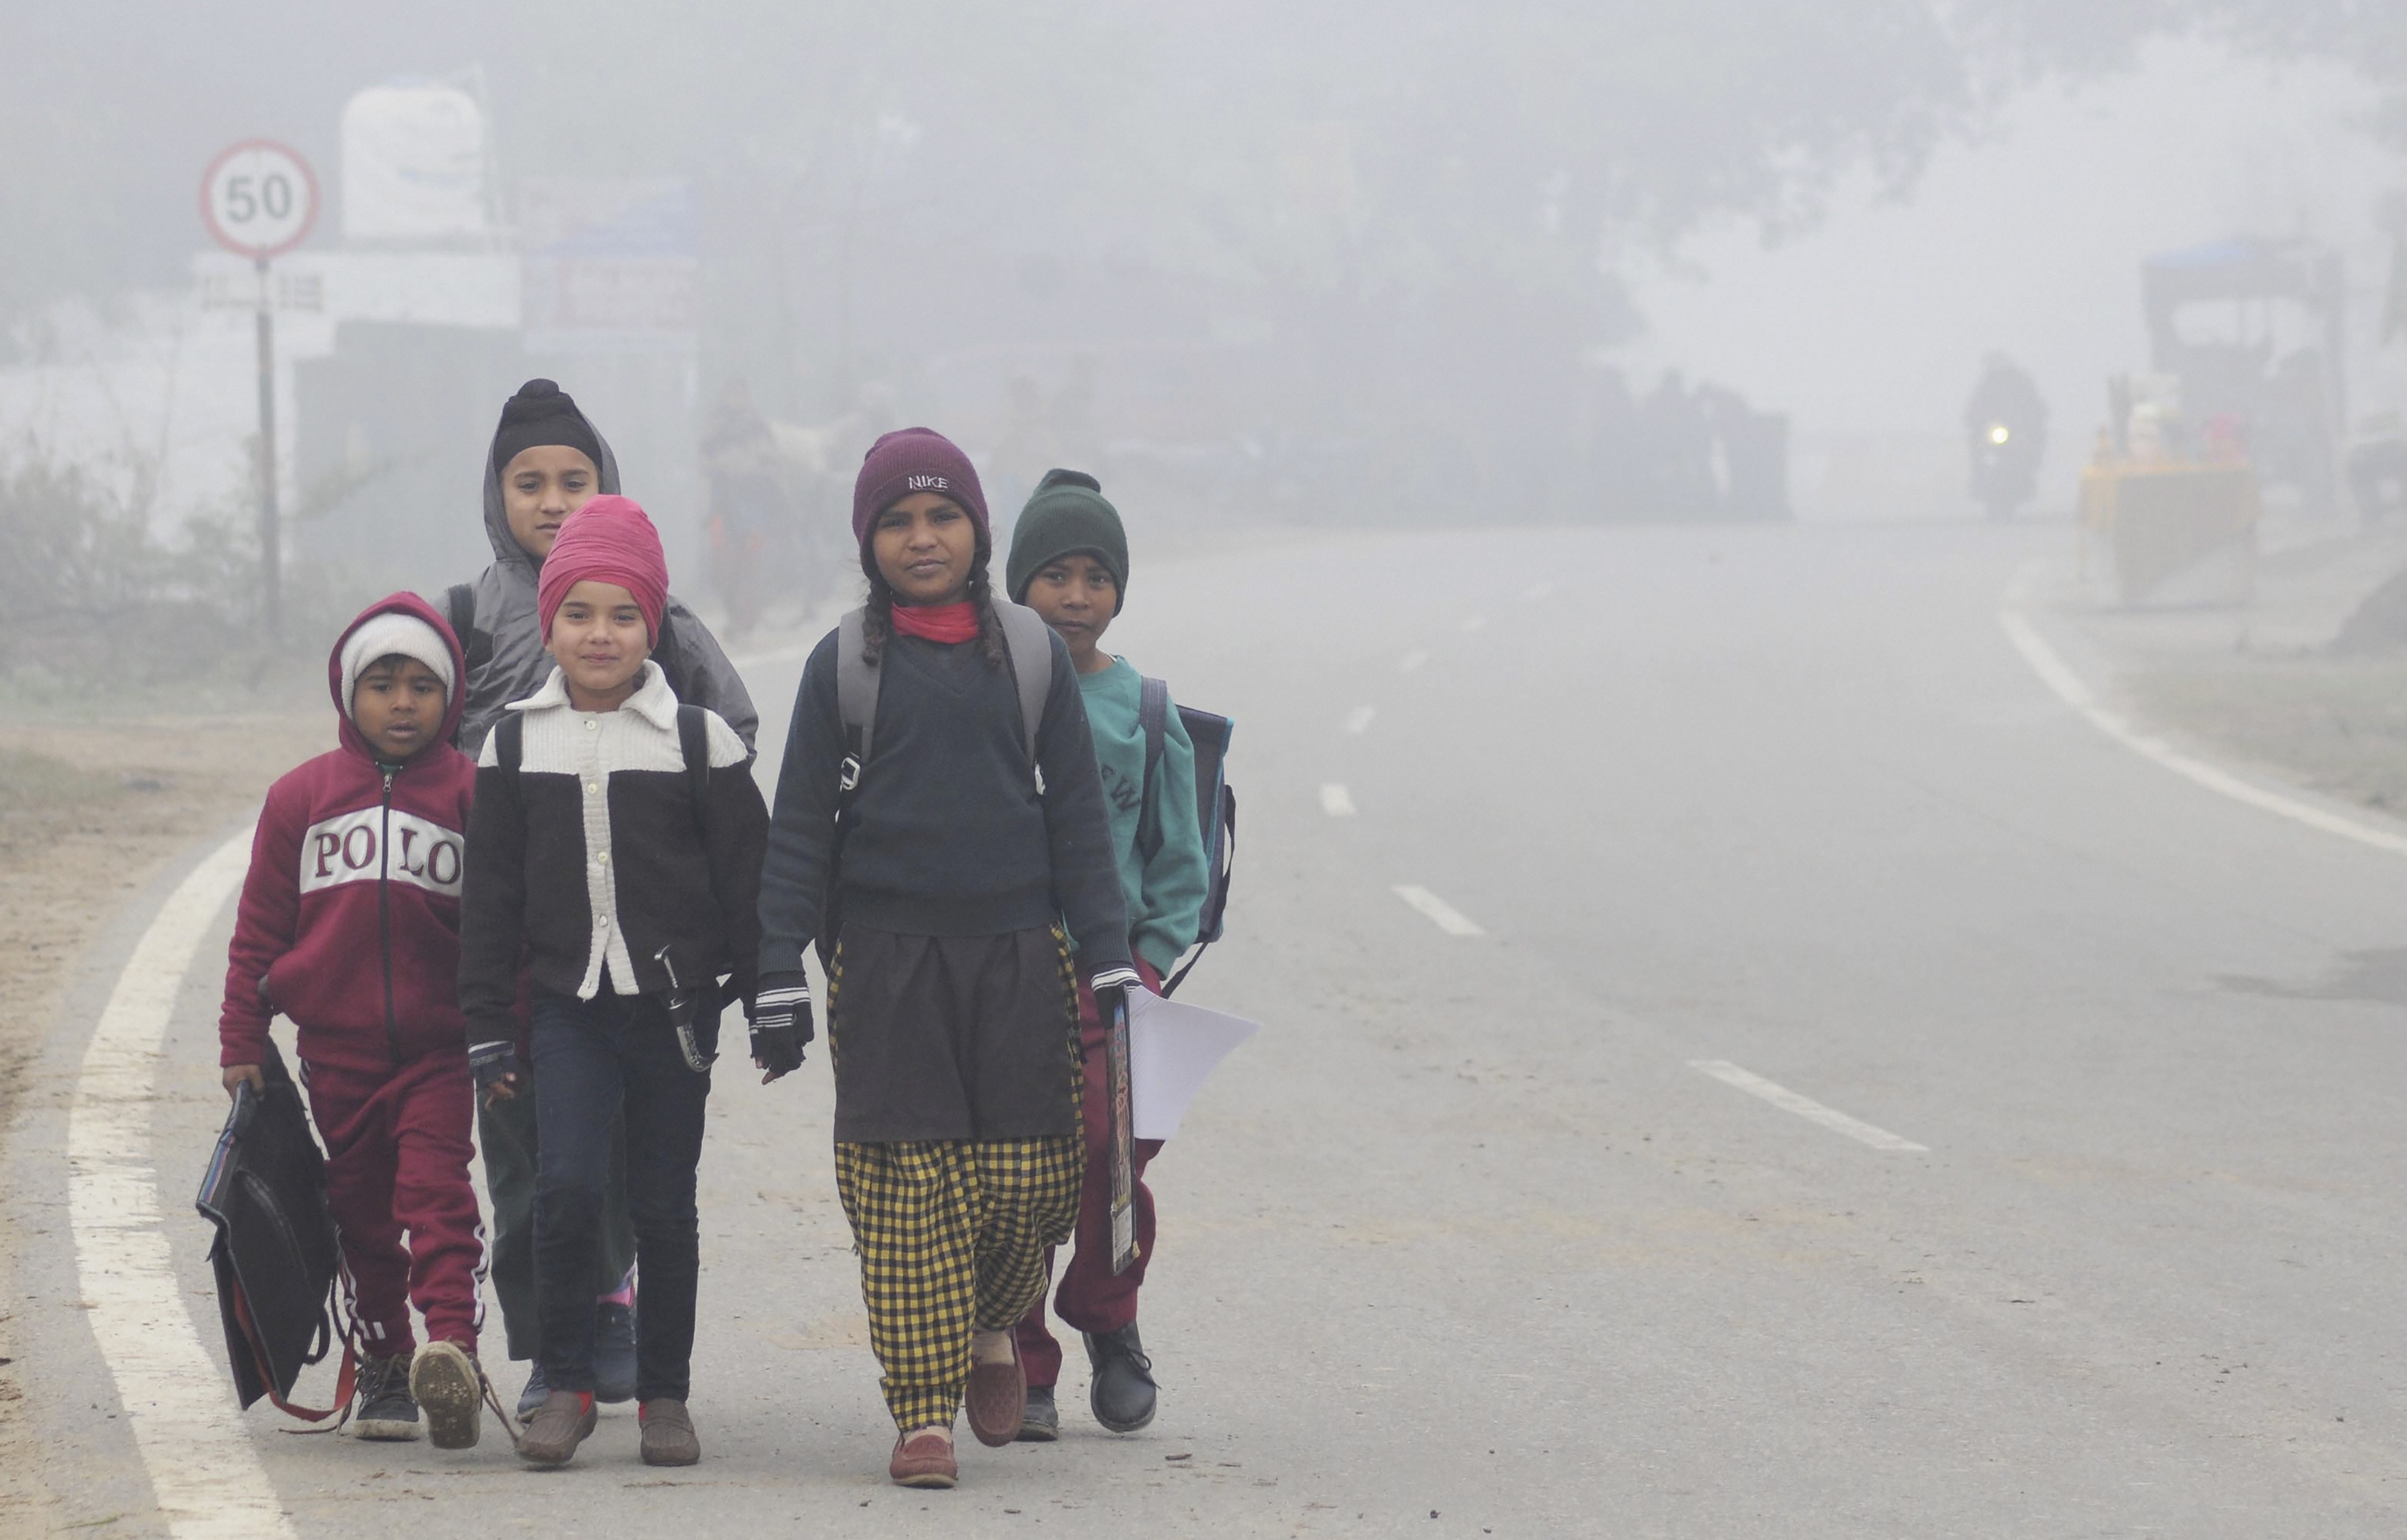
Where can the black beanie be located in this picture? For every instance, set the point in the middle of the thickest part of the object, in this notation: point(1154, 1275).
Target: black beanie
point(543, 413)
point(1067, 513)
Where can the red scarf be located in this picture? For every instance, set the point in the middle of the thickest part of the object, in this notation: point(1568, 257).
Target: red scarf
point(938, 622)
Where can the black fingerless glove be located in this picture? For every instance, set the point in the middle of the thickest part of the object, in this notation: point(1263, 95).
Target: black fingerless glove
point(781, 1022)
point(492, 1061)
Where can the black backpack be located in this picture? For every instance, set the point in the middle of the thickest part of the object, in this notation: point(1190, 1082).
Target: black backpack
point(1215, 806)
point(277, 1257)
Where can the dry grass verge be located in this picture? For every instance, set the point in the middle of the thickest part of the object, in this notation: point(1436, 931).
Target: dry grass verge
point(89, 813)
point(2335, 724)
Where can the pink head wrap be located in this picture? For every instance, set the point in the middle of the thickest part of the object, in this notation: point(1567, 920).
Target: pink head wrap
point(609, 540)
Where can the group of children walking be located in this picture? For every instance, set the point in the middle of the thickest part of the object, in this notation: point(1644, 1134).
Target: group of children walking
point(542, 825)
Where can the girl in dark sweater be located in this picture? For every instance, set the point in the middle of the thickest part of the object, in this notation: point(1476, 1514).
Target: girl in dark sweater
point(970, 860)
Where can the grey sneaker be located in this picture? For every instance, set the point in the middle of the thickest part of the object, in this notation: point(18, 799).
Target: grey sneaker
point(532, 1397)
point(385, 1410)
point(614, 1353)
point(1041, 1422)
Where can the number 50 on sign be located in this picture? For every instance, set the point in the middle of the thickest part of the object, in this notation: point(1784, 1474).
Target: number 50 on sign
point(259, 199)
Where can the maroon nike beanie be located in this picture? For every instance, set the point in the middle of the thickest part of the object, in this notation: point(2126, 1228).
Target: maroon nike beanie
point(908, 461)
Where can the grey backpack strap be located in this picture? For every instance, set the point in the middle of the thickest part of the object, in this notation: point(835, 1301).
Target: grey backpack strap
point(856, 695)
point(1028, 641)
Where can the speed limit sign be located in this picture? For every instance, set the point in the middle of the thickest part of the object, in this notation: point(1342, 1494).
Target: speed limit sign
point(259, 199)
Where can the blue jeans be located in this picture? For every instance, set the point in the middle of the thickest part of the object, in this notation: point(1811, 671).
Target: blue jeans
point(592, 1057)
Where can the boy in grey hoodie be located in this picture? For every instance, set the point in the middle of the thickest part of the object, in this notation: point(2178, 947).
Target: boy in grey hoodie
point(547, 462)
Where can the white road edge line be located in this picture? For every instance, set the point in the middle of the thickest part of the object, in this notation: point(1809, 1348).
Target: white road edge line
point(204, 1471)
point(2070, 687)
point(1335, 800)
point(1357, 721)
point(1805, 1106)
point(1441, 914)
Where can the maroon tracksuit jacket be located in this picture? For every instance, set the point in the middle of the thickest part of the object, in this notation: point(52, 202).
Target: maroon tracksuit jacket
point(349, 925)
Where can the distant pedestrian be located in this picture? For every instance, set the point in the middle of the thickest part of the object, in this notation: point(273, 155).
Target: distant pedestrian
point(615, 848)
point(547, 460)
point(751, 516)
point(1070, 563)
point(973, 851)
point(349, 925)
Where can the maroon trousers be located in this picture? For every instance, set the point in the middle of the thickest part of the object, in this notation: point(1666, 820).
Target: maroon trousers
point(397, 1162)
point(1090, 1299)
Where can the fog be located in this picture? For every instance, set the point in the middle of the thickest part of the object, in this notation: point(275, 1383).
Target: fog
point(1342, 263)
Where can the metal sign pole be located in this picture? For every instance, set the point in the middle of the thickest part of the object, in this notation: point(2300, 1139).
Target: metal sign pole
point(259, 199)
point(271, 561)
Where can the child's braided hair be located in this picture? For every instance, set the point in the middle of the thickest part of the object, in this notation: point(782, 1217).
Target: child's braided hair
point(878, 622)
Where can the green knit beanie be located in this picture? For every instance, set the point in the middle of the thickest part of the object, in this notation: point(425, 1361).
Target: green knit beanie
point(1067, 513)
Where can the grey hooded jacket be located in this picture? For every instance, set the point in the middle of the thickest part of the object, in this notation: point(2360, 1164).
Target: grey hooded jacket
point(506, 660)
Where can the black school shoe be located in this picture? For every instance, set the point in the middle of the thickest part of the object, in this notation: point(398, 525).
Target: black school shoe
point(1121, 1391)
point(614, 1353)
point(1041, 1422)
point(386, 1411)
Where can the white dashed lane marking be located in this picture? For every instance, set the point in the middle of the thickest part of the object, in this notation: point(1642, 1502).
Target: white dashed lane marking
point(1358, 720)
point(1440, 914)
point(1411, 660)
point(1474, 624)
point(1804, 1107)
point(1335, 800)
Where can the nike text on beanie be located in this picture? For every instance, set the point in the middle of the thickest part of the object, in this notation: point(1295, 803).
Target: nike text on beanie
point(390, 633)
point(1068, 513)
point(542, 413)
point(908, 461)
point(609, 540)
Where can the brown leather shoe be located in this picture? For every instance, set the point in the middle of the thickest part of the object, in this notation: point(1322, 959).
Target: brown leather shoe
point(558, 1426)
point(924, 1459)
point(997, 1399)
point(668, 1434)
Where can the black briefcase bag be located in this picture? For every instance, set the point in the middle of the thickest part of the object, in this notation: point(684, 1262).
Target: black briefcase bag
point(276, 1256)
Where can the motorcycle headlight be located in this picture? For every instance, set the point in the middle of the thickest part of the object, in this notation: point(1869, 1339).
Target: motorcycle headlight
point(1998, 433)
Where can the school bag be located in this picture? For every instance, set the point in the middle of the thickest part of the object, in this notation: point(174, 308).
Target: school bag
point(1028, 649)
point(276, 1256)
point(1215, 806)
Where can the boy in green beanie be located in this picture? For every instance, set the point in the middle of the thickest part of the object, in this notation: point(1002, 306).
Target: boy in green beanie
point(1069, 563)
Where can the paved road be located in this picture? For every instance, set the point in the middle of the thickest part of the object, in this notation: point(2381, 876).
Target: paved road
point(1465, 1244)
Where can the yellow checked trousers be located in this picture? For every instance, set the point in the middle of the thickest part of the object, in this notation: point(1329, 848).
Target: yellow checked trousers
point(953, 1235)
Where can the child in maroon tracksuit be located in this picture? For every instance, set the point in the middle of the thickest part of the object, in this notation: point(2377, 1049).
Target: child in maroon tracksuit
point(349, 925)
